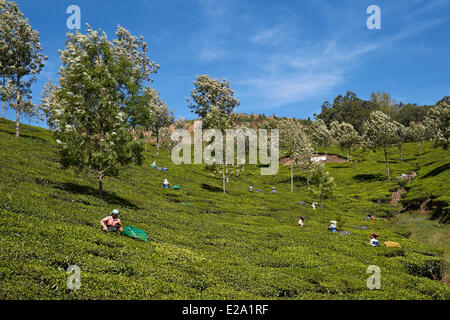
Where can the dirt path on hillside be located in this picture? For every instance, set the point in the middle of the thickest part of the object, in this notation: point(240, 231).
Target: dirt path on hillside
point(396, 196)
point(424, 206)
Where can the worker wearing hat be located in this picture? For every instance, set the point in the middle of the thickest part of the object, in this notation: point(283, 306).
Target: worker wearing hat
point(112, 222)
point(374, 240)
point(301, 222)
point(333, 226)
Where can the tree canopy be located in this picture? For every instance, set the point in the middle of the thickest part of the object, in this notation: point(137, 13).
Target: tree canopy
point(381, 132)
point(208, 93)
point(89, 109)
point(353, 110)
point(21, 58)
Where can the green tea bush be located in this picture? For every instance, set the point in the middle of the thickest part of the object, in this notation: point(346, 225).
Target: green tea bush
point(238, 245)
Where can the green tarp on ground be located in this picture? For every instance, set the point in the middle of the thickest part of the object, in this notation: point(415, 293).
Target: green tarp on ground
point(135, 233)
point(186, 204)
point(152, 165)
point(176, 187)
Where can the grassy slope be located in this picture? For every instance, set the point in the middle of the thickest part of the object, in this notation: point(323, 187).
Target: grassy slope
point(238, 245)
point(430, 232)
point(433, 179)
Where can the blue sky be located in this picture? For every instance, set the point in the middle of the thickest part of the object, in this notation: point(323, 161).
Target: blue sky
point(282, 57)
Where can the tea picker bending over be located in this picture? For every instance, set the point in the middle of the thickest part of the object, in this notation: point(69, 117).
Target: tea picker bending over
point(112, 222)
point(333, 226)
point(301, 222)
point(374, 240)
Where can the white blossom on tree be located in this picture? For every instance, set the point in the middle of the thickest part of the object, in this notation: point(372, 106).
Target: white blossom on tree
point(402, 136)
point(346, 136)
point(296, 145)
point(21, 58)
point(418, 134)
point(380, 132)
point(438, 123)
point(214, 101)
point(89, 108)
point(321, 184)
point(320, 134)
point(208, 93)
point(151, 113)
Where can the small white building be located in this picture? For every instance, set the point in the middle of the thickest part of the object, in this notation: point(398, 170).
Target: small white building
point(319, 158)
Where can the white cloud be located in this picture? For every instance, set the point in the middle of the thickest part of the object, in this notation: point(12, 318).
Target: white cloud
point(284, 68)
point(279, 90)
point(273, 36)
point(210, 53)
point(289, 76)
point(306, 70)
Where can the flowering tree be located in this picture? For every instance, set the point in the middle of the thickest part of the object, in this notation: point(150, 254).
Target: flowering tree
point(214, 101)
point(179, 124)
point(296, 144)
point(322, 184)
point(381, 132)
point(402, 135)
point(219, 120)
point(418, 134)
point(208, 93)
point(347, 137)
point(437, 121)
point(7, 92)
point(164, 135)
point(21, 58)
point(88, 110)
point(320, 134)
point(151, 113)
point(163, 117)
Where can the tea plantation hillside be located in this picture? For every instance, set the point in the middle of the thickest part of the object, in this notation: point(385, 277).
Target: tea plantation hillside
point(205, 244)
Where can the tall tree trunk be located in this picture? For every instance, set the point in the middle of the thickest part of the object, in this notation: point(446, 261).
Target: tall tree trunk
point(401, 154)
point(226, 169)
point(100, 187)
point(420, 151)
point(292, 177)
point(349, 157)
point(3, 99)
point(18, 109)
point(223, 179)
point(17, 122)
point(387, 164)
point(145, 142)
point(157, 142)
point(100, 173)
